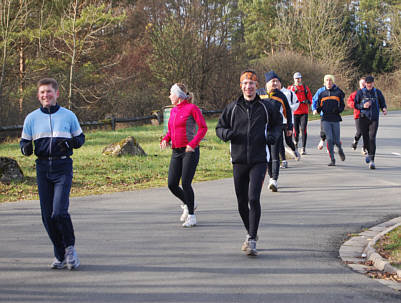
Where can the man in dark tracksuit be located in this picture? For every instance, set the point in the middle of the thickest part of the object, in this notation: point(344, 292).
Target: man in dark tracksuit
point(369, 101)
point(280, 102)
point(55, 131)
point(331, 103)
point(250, 124)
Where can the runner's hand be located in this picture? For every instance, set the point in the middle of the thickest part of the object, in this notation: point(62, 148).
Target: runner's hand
point(163, 144)
point(189, 149)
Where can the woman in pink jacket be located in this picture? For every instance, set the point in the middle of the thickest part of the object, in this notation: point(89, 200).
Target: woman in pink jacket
point(185, 141)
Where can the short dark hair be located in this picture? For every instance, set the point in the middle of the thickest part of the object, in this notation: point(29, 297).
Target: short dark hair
point(369, 79)
point(48, 81)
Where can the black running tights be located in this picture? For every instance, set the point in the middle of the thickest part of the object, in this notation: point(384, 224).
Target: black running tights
point(183, 166)
point(288, 141)
point(369, 131)
point(301, 121)
point(248, 182)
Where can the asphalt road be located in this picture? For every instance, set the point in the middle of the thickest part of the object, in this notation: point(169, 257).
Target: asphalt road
point(133, 249)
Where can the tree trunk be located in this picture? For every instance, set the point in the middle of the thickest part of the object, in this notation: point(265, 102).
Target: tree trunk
point(21, 77)
point(74, 50)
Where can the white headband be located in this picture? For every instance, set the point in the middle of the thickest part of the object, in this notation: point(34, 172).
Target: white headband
point(176, 90)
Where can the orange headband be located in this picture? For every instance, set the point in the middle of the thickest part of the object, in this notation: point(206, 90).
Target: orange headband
point(249, 76)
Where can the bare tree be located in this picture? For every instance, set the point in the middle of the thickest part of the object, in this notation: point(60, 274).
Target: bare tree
point(79, 32)
point(315, 28)
point(11, 15)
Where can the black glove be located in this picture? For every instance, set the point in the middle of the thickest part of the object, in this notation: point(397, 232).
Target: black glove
point(270, 140)
point(64, 146)
point(27, 149)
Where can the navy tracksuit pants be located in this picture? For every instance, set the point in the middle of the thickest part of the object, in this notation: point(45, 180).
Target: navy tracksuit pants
point(54, 178)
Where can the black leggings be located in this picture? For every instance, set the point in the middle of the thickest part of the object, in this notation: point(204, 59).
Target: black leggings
point(358, 133)
point(183, 166)
point(273, 167)
point(288, 141)
point(369, 131)
point(301, 121)
point(248, 182)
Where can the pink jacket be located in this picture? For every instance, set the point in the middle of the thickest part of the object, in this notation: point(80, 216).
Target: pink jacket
point(182, 126)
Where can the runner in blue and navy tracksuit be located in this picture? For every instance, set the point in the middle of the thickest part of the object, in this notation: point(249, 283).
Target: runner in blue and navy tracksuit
point(331, 103)
point(369, 101)
point(55, 131)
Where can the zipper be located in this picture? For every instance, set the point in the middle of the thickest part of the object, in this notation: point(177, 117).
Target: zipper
point(173, 130)
point(248, 136)
point(51, 133)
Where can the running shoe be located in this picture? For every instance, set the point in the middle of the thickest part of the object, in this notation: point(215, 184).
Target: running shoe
point(57, 264)
point(71, 258)
point(341, 154)
point(190, 221)
point(284, 164)
point(303, 151)
point(354, 144)
point(244, 246)
point(372, 165)
point(251, 249)
point(273, 185)
point(320, 145)
point(332, 163)
point(364, 152)
point(184, 212)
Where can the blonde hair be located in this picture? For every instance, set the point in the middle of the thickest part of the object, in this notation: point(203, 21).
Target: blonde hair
point(329, 77)
point(190, 95)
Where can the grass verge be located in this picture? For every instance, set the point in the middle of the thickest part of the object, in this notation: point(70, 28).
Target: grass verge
point(389, 247)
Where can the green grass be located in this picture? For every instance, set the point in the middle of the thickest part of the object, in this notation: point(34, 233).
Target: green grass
point(95, 173)
point(390, 246)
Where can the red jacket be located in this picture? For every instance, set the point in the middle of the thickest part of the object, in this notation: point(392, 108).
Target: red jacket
point(182, 126)
point(304, 99)
point(351, 103)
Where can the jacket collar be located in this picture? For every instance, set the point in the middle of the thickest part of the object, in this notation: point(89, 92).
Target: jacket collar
point(50, 110)
point(368, 91)
point(334, 87)
point(242, 99)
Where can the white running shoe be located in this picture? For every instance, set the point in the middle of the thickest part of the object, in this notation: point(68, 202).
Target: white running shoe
point(273, 185)
point(57, 264)
point(71, 258)
point(184, 213)
point(190, 221)
point(364, 152)
point(320, 145)
point(244, 245)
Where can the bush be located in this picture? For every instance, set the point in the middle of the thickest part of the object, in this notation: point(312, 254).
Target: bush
point(390, 85)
